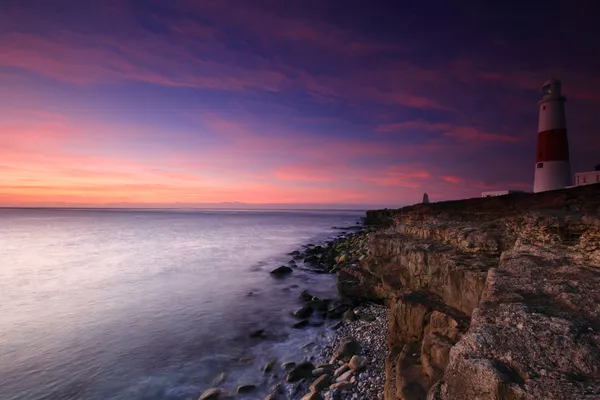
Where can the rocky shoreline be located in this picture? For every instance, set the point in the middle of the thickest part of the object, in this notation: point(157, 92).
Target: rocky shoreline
point(491, 298)
point(321, 375)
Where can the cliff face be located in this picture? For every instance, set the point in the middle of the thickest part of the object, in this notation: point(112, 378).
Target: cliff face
point(489, 298)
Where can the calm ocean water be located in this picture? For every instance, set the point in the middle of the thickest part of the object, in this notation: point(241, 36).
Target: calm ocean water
point(150, 305)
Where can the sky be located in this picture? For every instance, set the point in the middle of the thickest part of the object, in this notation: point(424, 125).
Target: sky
point(315, 103)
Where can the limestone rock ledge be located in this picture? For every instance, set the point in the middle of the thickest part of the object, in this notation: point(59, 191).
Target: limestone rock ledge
point(489, 298)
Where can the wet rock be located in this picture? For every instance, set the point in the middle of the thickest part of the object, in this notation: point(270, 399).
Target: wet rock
point(281, 271)
point(219, 379)
point(245, 389)
point(336, 313)
point(318, 304)
point(300, 371)
point(211, 394)
point(294, 253)
point(269, 367)
point(321, 383)
point(276, 389)
point(288, 366)
point(312, 396)
point(345, 376)
point(347, 348)
point(349, 316)
point(300, 324)
point(341, 370)
point(306, 296)
point(357, 363)
point(322, 369)
point(303, 312)
point(258, 334)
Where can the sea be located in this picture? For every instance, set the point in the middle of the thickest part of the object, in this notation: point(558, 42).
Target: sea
point(153, 304)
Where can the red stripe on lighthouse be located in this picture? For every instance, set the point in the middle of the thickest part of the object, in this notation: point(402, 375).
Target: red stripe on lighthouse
point(552, 145)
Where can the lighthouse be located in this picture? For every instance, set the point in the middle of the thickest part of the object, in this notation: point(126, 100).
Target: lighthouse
point(552, 167)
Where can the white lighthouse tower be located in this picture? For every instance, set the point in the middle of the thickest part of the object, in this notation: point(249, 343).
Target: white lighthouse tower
point(552, 166)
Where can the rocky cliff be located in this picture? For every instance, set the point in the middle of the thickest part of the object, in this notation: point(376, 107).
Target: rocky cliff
point(495, 298)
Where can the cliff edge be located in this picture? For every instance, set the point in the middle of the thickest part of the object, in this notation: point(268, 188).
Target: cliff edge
point(495, 298)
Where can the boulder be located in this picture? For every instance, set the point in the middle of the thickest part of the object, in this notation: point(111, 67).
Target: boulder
point(305, 296)
point(258, 334)
point(218, 379)
point(312, 396)
point(345, 376)
point(300, 371)
point(318, 304)
point(269, 367)
point(349, 316)
point(311, 260)
point(300, 324)
point(321, 383)
point(281, 271)
point(211, 394)
point(357, 363)
point(347, 348)
point(303, 312)
point(246, 389)
point(288, 366)
point(277, 389)
point(340, 370)
point(323, 369)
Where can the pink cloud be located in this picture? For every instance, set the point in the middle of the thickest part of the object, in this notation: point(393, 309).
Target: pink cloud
point(453, 179)
point(463, 133)
point(400, 176)
point(575, 85)
point(270, 24)
point(85, 60)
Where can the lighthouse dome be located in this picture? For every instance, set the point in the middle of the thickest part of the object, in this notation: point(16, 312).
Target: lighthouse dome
point(551, 91)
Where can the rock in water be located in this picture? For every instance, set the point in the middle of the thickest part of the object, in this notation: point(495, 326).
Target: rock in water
point(219, 379)
point(348, 347)
point(246, 388)
point(281, 271)
point(303, 312)
point(305, 296)
point(269, 366)
point(300, 371)
point(300, 324)
point(258, 334)
point(288, 366)
point(425, 198)
point(211, 394)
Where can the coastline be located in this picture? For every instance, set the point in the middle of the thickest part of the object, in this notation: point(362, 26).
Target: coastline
point(338, 317)
point(485, 298)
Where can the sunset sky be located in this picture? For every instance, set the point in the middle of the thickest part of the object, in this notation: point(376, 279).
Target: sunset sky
point(183, 102)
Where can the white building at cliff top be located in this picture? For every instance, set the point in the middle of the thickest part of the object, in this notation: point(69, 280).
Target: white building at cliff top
point(587, 178)
point(552, 164)
point(496, 193)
